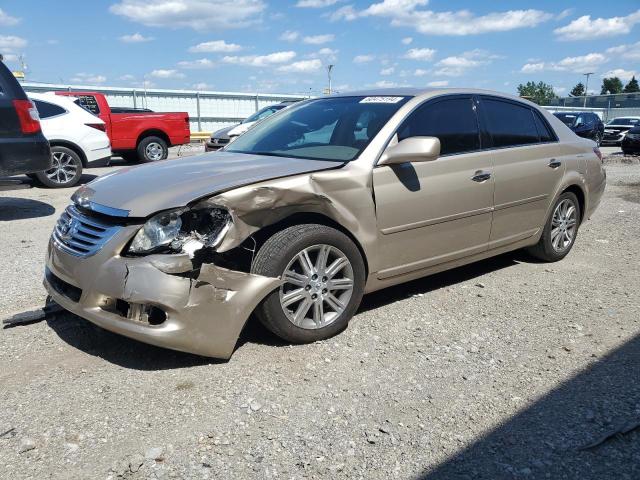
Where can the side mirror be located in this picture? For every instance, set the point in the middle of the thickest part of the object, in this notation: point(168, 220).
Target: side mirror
point(414, 149)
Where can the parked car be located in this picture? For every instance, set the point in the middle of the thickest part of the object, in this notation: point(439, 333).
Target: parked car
point(584, 124)
point(616, 129)
point(631, 141)
point(313, 207)
point(137, 135)
point(23, 148)
point(77, 138)
point(223, 136)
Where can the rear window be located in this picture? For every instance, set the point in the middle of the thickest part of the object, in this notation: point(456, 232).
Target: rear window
point(624, 121)
point(48, 110)
point(88, 102)
point(509, 124)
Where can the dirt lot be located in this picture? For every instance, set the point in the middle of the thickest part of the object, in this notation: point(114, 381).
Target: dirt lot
point(503, 369)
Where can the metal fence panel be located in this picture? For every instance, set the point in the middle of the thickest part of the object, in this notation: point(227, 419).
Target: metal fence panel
point(208, 110)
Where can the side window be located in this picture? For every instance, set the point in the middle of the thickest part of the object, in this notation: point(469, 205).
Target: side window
point(543, 129)
point(453, 121)
point(48, 110)
point(509, 124)
point(88, 102)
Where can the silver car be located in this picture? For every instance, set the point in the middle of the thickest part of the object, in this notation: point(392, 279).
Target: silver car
point(314, 207)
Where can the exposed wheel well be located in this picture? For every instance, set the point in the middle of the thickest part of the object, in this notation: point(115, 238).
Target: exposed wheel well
point(153, 133)
point(70, 146)
point(240, 258)
point(577, 191)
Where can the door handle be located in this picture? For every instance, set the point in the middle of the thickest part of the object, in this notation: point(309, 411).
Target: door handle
point(553, 163)
point(481, 176)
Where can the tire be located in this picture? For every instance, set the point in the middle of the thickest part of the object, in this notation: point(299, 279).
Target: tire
point(66, 171)
point(598, 139)
point(152, 149)
point(332, 308)
point(554, 246)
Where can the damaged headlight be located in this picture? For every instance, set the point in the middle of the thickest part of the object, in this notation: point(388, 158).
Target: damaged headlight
point(172, 230)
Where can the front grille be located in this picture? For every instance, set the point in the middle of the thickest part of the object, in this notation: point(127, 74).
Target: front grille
point(221, 141)
point(80, 235)
point(62, 287)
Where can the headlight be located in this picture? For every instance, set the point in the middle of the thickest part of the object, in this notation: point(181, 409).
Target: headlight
point(169, 231)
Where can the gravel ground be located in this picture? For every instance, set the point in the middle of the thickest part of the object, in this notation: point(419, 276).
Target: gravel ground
point(502, 369)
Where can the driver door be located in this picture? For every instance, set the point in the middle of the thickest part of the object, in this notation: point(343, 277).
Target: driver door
point(435, 211)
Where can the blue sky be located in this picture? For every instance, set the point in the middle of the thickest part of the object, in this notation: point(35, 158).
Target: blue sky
point(284, 45)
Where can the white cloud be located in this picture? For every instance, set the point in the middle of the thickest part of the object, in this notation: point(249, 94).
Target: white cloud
point(201, 86)
point(215, 46)
point(289, 36)
point(166, 73)
point(419, 72)
point(407, 40)
point(127, 77)
point(624, 75)
point(10, 43)
point(584, 28)
point(438, 83)
point(7, 20)
point(315, 3)
point(319, 39)
point(328, 54)
point(88, 78)
point(196, 14)
point(201, 64)
point(303, 66)
point(559, 90)
point(628, 52)
point(363, 58)
point(424, 54)
point(261, 60)
point(135, 38)
point(387, 71)
point(579, 64)
point(405, 13)
point(456, 66)
point(10, 57)
point(385, 84)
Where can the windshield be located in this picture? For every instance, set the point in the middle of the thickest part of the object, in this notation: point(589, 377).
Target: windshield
point(624, 121)
point(336, 128)
point(568, 119)
point(264, 113)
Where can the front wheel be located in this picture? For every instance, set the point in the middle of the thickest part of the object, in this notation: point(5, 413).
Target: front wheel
point(560, 231)
point(65, 171)
point(323, 281)
point(152, 149)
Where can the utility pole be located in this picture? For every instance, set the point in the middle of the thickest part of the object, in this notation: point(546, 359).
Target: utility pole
point(329, 68)
point(586, 88)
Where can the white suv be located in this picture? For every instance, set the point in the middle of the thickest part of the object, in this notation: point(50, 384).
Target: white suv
point(77, 138)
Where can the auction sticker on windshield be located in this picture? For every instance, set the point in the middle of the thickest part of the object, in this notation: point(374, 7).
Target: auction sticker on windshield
point(381, 99)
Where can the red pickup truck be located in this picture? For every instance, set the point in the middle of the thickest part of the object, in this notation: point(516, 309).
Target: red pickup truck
point(137, 134)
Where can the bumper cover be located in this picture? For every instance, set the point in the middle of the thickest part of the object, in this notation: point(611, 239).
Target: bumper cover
point(204, 314)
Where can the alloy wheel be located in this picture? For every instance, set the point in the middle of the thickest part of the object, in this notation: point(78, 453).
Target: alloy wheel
point(154, 151)
point(63, 168)
point(563, 225)
point(317, 286)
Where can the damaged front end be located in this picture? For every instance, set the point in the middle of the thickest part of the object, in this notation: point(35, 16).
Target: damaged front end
point(157, 282)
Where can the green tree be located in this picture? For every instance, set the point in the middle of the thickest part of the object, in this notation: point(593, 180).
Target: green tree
point(611, 85)
point(632, 86)
point(540, 93)
point(578, 90)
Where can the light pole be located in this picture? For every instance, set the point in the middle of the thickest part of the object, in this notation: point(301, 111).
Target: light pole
point(329, 68)
point(586, 88)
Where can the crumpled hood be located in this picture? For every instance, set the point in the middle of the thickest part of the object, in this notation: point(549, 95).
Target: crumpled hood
point(146, 189)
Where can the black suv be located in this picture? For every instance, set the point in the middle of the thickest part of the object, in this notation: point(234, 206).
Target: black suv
point(583, 124)
point(23, 148)
point(631, 142)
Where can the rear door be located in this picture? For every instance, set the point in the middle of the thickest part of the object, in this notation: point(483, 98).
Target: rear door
point(527, 170)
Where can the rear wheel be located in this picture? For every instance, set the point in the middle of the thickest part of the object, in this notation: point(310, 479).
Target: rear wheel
point(152, 149)
point(323, 281)
point(65, 171)
point(560, 231)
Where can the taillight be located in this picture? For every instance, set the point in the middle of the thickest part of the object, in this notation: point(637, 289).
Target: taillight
point(98, 126)
point(28, 116)
point(598, 153)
